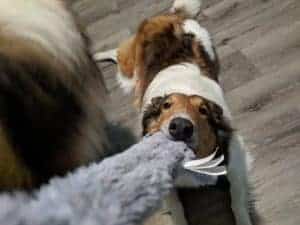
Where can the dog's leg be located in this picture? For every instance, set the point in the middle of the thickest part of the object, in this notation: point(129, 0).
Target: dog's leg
point(127, 84)
point(109, 55)
point(171, 212)
point(237, 175)
point(174, 207)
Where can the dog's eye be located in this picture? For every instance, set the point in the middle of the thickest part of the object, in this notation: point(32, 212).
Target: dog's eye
point(167, 105)
point(203, 110)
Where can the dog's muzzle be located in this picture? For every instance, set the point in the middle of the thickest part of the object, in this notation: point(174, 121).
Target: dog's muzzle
point(181, 129)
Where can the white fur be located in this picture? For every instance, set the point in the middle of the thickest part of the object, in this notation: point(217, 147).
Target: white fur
point(188, 79)
point(125, 83)
point(201, 35)
point(46, 22)
point(190, 7)
point(238, 177)
point(185, 78)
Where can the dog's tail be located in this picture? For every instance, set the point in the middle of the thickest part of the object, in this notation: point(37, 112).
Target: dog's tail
point(188, 8)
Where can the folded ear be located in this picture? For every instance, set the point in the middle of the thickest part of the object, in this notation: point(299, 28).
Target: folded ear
point(217, 118)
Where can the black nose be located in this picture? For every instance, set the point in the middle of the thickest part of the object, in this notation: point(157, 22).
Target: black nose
point(181, 129)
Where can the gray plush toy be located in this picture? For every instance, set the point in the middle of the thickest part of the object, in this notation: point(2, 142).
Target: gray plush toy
point(122, 190)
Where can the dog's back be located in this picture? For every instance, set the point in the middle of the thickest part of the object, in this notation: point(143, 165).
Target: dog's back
point(50, 94)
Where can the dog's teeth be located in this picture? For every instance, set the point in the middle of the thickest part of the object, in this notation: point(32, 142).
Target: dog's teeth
point(198, 162)
point(210, 164)
point(216, 171)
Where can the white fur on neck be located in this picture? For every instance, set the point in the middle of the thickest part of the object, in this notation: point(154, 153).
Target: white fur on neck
point(201, 35)
point(127, 84)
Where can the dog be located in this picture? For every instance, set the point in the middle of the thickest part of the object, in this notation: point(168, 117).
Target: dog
point(51, 95)
point(172, 67)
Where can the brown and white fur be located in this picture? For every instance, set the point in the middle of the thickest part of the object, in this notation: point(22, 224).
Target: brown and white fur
point(51, 95)
point(172, 67)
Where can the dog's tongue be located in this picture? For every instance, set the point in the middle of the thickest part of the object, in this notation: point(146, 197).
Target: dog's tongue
point(207, 165)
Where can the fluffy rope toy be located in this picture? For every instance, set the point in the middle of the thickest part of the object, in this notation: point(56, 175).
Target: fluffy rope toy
point(121, 190)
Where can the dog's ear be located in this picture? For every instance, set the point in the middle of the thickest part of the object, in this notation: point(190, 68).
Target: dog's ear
point(217, 118)
point(152, 111)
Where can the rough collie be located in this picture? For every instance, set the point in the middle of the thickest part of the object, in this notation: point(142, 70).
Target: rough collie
point(172, 67)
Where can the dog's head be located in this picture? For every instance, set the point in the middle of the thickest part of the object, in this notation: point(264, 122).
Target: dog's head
point(191, 119)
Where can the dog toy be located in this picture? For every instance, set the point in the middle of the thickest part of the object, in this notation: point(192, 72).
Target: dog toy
point(124, 189)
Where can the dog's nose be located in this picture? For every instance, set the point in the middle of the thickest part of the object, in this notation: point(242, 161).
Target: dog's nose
point(181, 129)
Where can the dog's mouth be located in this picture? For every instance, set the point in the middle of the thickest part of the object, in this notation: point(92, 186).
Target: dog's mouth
point(182, 129)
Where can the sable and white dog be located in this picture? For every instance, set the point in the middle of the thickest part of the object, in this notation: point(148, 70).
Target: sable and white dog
point(172, 66)
point(51, 95)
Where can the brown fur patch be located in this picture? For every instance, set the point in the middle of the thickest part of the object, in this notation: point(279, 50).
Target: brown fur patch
point(126, 57)
point(29, 52)
point(205, 115)
point(50, 113)
point(160, 42)
point(14, 174)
